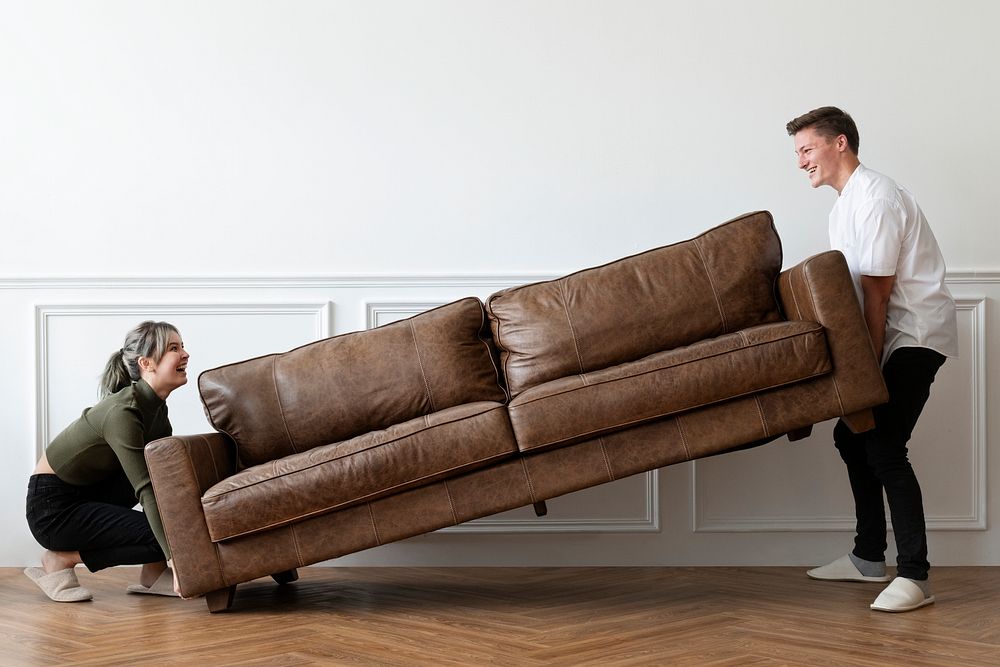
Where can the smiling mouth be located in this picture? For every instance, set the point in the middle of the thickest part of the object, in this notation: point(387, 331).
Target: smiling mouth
point(811, 171)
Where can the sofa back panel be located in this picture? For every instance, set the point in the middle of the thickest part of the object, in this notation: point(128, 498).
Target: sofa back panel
point(344, 386)
point(717, 283)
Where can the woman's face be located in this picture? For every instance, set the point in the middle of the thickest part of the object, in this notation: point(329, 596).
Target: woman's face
point(171, 371)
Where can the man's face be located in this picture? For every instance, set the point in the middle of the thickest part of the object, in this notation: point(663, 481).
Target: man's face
point(819, 156)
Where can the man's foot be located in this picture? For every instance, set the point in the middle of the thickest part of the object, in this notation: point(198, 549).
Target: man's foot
point(903, 595)
point(844, 569)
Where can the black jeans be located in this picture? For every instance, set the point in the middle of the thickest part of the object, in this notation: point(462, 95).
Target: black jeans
point(98, 521)
point(877, 460)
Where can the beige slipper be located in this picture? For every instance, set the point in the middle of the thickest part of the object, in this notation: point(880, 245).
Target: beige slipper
point(902, 595)
point(61, 585)
point(164, 585)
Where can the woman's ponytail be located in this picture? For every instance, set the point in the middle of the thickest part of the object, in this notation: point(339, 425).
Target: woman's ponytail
point(149, 339)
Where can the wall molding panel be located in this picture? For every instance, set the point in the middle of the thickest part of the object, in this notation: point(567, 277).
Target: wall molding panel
point(648, 521)
point(46, 315)
point(974, 520)
point(378, 313)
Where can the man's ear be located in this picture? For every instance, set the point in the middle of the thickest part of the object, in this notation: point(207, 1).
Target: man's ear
point(841, 142)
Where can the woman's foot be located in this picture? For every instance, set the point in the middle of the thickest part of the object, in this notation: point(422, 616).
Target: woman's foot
point(151, 572)
point(53, 561)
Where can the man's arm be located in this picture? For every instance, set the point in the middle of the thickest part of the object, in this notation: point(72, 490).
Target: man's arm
point(876, 291)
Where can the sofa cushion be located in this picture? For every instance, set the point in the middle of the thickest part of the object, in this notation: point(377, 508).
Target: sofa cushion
point(717, 283)
point(344, 386)
point(585, 406)
point(336, 476)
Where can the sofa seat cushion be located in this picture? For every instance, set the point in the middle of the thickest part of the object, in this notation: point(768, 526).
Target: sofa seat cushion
point(380, 463)
point(587, 405)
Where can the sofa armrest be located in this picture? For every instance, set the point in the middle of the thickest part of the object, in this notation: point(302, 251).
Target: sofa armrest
point(182, 468)
point(820, 289)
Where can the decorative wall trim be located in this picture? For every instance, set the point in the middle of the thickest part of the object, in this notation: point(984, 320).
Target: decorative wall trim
point(375, 311)
point(496, 280)
point(648, 522)
point(46, 313)
point(976, 520)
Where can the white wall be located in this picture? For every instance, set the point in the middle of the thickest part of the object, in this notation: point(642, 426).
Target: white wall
point(263, 174)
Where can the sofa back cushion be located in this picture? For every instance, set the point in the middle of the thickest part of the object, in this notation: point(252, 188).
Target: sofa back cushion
point(347, 385)
point(716, 283)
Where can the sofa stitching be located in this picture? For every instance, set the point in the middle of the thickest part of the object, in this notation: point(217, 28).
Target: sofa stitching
point(366, 449)
point(215, 466)
point(489, 351)
point(281, 409)
point(218, 555)
point(420, 362)
point(715, 292)
point(678, 411)
point(527, 478)
point(607, 461)
point(662, 368)
point(680, 431)
point(795, 295)
point(812, 301)
point(371, 515)
point(451, 503)
point(572, 329)
point(760, 413)
point(295, 543)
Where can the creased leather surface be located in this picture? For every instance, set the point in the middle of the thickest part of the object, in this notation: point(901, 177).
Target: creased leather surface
point(583, 406)
point(619, 323)
point(344, 386)
point(370, 466)
point(717, 283)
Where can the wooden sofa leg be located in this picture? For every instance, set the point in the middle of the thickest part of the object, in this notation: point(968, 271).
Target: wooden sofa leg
point(540, 508)
point(800, 433)
point(286, 577)
point(861, 421)
point(221, 599)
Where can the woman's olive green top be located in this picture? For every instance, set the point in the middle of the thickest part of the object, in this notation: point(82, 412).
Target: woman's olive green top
point(109, 438)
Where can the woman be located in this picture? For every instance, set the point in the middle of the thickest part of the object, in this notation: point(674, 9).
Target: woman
point(81, 495)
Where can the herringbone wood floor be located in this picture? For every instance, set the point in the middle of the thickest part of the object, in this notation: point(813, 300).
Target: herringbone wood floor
point(509, 616)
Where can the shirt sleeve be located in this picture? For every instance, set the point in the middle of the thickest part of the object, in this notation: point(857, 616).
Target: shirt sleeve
point(880, 229)
point(123, 431)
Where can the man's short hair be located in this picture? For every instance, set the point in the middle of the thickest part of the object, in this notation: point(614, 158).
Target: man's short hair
point(829, 122)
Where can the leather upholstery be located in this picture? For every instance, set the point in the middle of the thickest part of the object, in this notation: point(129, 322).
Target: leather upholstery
point(671, 355)
point(717, 283)
point(587, 405)
point(345, 386)
point(376, 464)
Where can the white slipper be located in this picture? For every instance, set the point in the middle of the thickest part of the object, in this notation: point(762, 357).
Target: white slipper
point(843, 569)
point(901, 595)
point(60, 586)
point(164, 585)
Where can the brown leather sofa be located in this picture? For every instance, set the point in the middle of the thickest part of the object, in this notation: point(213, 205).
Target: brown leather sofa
point(467, 410)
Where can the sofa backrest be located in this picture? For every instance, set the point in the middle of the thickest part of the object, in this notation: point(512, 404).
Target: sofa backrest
point(716, 283)
point(347, 385)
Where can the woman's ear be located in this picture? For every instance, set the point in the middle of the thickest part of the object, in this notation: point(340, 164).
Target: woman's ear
point(146, 365)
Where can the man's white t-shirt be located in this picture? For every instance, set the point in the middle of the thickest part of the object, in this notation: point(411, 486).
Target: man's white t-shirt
point(882, 232)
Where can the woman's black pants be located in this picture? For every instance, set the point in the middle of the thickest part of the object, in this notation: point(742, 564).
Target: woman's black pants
point(98, 521)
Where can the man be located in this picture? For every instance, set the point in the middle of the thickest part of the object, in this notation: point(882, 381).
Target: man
point(898, 273)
